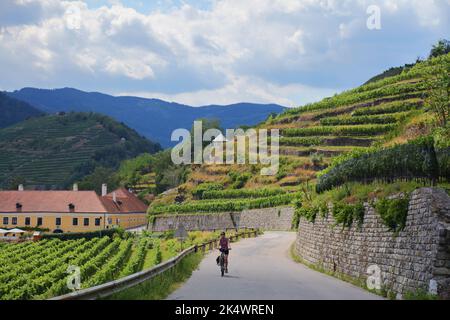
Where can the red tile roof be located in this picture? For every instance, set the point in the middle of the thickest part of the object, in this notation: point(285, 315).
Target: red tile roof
point(58, 201)
point(125, 202)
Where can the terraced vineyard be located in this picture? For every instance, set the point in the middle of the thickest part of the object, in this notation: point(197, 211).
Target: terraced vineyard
point(53, 151)
point(380, 113)
point(38, 270)
point(145, 183)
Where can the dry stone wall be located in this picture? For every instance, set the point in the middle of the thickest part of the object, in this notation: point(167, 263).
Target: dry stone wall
point(267, 219)
point(418, 258)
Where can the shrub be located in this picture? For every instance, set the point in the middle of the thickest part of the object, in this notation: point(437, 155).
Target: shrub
point(361, 130)
point(393, 212)
point(308, 211)
point(316, 159)
point(86, 235)
point(242, 193)
point(366, 119)
point(204, 187)
point(239, 179)
point(158, 255)
point(295, 220)
point(343, 214)
point(395, 107)
point(297, 141)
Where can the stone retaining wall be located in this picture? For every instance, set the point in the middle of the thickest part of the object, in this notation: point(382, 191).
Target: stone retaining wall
point(267, 219)
point(418, 258)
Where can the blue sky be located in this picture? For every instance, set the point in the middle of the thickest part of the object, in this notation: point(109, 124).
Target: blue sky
point(203, 52)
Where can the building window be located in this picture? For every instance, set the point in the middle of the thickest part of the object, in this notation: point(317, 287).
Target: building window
point(5, 220)
point(39, 221)
point(75, 221)
point(58, 221)
point(86, 222)
point(97, 221)
point(14, 221)
point(27, 221)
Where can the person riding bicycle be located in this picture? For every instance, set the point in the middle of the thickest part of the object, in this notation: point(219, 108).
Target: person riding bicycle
point(224, 244)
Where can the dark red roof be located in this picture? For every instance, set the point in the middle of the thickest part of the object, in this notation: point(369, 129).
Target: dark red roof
point(125, 202)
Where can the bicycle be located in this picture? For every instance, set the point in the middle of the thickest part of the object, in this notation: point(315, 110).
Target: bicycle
point(221, 262)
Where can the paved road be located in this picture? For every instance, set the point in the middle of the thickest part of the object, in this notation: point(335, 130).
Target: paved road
point(260, 268)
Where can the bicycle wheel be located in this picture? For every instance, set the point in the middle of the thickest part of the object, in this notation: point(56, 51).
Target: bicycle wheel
point(222, 265)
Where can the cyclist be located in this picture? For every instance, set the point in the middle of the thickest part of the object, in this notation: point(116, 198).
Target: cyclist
point(224, 244)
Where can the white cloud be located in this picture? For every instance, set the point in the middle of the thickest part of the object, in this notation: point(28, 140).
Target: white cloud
point(428, 12)
point(244, 89)
point(285, 51)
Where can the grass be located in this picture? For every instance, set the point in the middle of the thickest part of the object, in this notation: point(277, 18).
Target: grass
point(163, 285)
point(419, 295)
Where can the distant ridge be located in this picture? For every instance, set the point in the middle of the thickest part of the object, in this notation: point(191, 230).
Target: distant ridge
point(153, 118)
point(13, 111)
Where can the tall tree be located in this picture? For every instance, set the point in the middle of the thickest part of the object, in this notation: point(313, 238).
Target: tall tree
point(440, 48)
point(438, 99)
point(95, 180)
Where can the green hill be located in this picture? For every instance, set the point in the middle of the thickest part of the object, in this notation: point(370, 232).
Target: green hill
point(13, 111)
point(54, 151)
point(376, 115)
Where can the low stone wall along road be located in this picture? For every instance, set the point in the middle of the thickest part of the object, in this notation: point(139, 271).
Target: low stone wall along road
point(261, 269)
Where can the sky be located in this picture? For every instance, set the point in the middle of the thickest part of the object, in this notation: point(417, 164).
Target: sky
point(202, 52)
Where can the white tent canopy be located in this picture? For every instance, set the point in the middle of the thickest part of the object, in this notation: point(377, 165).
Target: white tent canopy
point(3, 231)
point(15, 230)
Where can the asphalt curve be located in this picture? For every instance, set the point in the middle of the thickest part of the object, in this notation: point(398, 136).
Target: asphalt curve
point(261, 269)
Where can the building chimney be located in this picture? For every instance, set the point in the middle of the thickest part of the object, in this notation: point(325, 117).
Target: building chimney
point(20, 187)
point(114, 197)
point(75, 187)
point(104, 189)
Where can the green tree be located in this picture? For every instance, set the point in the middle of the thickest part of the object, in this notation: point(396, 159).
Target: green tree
point(440, 48)
point(95, 180)
point(131, 171)
point(206, 125)
point(14, 182)
point(168, 175)
point(438, 99)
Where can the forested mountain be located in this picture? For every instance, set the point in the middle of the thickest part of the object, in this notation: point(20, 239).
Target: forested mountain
point(153, 118)
point(56, 150)
point(13, 111)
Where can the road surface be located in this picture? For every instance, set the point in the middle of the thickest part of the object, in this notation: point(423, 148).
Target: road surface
point(261, 269)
